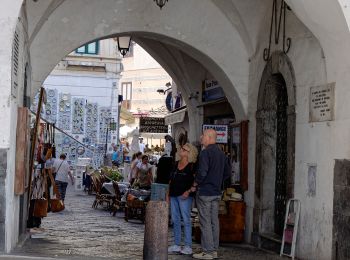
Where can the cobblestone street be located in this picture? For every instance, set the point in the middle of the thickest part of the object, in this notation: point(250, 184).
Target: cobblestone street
point(81, 232)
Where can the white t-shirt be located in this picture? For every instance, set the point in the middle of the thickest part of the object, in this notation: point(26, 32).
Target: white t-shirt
point(142, 147)
point(62, 173)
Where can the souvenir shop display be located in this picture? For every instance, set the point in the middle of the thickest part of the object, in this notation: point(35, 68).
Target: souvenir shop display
point(64, 108)
point(105, 115)
point(91, 123)
point(44, 148)
point(85, 121)
point(78, 116)
point(51, 106)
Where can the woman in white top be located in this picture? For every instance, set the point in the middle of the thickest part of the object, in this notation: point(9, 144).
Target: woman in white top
point(144, 174)
point(62, 169)
point(135, 161)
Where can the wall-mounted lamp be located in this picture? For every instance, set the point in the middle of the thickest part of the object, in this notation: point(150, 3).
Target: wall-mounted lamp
point(162, 91)
point(160, 3)
point(123, 44)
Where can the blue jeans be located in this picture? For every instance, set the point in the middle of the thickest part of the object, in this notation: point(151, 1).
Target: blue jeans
point(208, 209)
point(181, 208)
point(62, 187)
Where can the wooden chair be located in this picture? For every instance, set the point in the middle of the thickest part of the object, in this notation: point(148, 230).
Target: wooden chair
point(117, 203)
point(135, 209)
point(100, 198)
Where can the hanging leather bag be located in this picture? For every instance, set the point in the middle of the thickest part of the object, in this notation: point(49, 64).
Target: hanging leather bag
point(40, 208)
point(56, 203)
point(41, 204)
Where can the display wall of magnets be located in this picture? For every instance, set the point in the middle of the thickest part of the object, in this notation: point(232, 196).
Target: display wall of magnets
point(91, 122)
point(64, 121)
point(51, 106)
point(104, 115)
point(78, 116)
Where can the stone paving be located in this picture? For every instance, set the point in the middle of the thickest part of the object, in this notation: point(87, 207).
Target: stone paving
point(81, 232)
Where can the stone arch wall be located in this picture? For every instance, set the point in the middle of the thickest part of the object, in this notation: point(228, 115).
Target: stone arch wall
point(278, 64)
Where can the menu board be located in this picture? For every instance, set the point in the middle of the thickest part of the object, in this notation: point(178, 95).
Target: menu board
point(153, 125)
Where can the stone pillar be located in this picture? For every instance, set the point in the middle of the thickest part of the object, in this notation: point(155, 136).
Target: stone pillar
point(155, 246)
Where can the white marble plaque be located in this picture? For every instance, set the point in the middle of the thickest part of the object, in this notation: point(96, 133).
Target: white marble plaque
point(322, 103)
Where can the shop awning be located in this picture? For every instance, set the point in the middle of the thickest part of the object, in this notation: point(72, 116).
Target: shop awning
point(176, 117)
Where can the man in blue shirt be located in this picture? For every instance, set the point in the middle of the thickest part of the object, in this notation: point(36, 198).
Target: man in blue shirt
point(213, 168)
point(115, 156)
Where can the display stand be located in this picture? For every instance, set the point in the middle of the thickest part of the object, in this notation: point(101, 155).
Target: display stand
point(290, 228)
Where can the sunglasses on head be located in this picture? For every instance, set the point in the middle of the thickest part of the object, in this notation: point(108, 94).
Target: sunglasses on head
point(182, 148)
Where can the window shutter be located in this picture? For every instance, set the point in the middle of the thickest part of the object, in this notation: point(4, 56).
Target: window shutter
point(15, 63)
point(17, 60)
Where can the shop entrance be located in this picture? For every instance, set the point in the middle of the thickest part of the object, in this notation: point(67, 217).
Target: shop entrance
point(274, 154)
point(281, 152)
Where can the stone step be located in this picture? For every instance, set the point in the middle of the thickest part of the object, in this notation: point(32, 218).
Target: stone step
point(271, 242)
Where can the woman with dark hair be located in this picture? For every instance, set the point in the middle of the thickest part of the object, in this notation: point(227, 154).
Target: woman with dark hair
point(144, 174)
point(62, 169)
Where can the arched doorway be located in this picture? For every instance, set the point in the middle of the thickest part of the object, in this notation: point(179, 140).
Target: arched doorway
point(275, 146)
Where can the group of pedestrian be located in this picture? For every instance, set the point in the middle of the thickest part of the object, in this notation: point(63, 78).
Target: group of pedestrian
point(203, 179)
point(120, 154)
point(140, 175)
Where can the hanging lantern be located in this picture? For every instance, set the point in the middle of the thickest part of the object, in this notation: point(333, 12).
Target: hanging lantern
point(160, 3)
point(113, 125)
point(124, 44)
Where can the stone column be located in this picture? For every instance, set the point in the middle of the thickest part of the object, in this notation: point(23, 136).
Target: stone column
point(155, 246)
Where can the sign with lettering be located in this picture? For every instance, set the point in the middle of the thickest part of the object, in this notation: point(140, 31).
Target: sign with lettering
point(322, 103)
point(153, 125)
point(212, 91)
point(221, 132)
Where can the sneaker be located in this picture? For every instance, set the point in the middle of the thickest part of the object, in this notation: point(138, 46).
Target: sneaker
point(202, 255)
point(174, 249)
point(215, 254)
point(186, 250)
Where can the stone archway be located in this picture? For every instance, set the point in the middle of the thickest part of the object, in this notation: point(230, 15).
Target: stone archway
point(275, 137)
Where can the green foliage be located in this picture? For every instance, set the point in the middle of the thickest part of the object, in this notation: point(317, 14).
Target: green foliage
point(112, 173)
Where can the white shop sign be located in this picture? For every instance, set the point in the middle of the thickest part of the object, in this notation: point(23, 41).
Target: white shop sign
point(221, 132)
point(322, 103)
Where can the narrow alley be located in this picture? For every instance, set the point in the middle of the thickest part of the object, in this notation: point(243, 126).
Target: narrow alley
point(81, 232)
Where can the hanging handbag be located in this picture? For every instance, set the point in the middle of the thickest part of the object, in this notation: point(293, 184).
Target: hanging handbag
point(40, 208)
point(56, 203)
point(41, 204)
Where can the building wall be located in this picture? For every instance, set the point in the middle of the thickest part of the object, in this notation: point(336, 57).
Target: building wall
point(9, 211)
point(309, 65)
point(146, 76)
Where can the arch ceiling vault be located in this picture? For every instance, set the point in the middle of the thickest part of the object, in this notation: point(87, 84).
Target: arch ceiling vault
point(57, 27)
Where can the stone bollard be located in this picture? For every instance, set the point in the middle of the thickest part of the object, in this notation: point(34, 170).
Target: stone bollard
point(155, 245)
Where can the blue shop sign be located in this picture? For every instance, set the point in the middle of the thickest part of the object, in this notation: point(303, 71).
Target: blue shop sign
point(212, 91)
